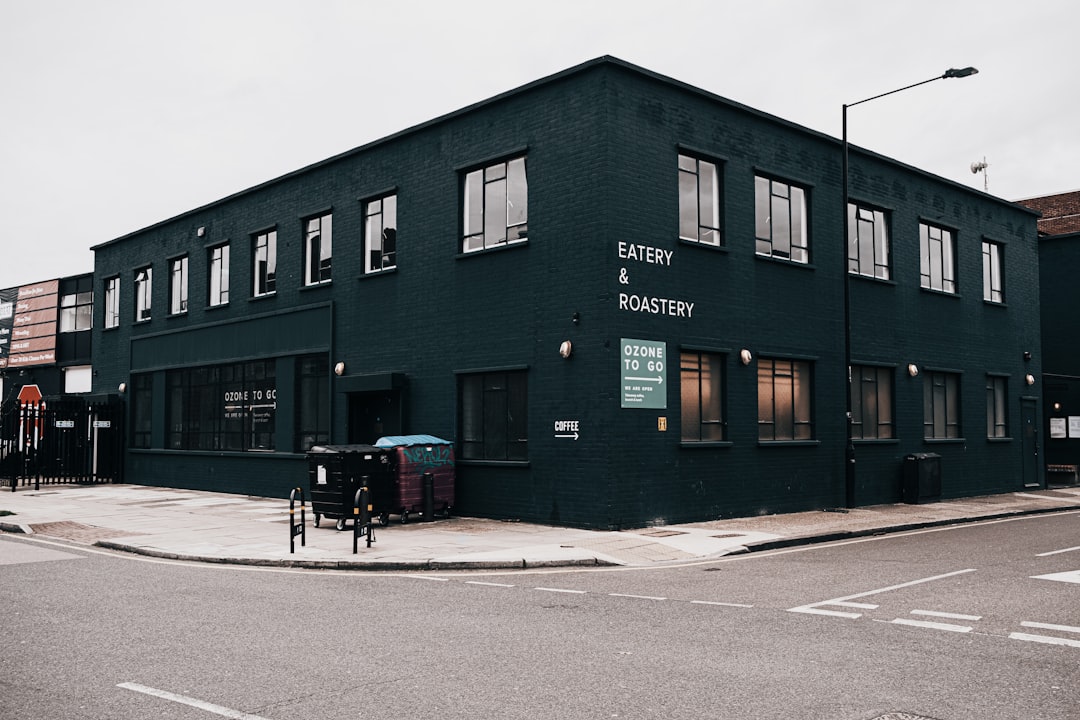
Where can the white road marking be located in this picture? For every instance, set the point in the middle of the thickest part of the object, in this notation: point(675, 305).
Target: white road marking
point(560, 590)
point(947, 616)
point(1058, 552)
point(861, 606)
point(1046, 497)
point(815, 608)
point(932, 625)
point(1073, 576)
point(191, 702)
point(1049, 626)
point(1044, 639)
point(636, 597)
point(721, 604)
point(488, 584)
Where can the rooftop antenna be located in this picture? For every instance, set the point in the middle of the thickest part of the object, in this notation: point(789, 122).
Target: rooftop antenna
point(977, 167)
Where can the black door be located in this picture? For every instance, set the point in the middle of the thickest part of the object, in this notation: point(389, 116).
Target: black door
point(373, 415)
point(1030, 443)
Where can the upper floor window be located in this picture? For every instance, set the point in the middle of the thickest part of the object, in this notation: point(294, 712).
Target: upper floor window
point(178, 285)
point(112, 302)
point(318, 248)
point(997, 425)
point(143, 287)
point(219, 275)
point(496, 210)
point(937, 269)
point(380, 234)
point(868, 242)
point(701, 385)
point(784, 390)
point(265, 263)
point(941, 405)
point(993, 286)
point(871, 403)
point(77, 312)
point(780, 220)
point(699, 201)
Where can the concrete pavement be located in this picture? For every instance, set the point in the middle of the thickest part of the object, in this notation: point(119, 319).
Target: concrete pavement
point(223, 528)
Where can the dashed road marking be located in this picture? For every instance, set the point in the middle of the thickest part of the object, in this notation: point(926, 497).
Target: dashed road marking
point(1047, 639)
point(949, 627)
point(946, 615)
point(190, 702)
point(636, 597)
point(561, 590)
point(815, 608)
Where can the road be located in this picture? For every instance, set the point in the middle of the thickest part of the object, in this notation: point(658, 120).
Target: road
point(975, 621)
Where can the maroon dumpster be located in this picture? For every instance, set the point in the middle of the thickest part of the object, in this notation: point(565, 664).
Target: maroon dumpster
point(424, 467)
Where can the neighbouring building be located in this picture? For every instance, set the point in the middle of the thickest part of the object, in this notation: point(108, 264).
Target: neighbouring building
point(620, 296)
point(1059, 268)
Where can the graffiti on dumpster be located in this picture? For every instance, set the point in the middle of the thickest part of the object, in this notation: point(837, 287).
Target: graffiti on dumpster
point(428, 457)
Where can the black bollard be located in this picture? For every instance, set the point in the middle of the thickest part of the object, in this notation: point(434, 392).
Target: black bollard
point(429, 496)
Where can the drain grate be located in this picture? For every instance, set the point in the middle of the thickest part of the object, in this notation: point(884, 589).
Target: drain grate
point(657, 532)
point(78, 532)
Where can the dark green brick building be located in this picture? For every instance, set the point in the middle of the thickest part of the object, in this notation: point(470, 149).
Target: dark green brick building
point(621, 297)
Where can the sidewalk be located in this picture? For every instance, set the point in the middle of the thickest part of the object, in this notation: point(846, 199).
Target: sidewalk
point(223, 528)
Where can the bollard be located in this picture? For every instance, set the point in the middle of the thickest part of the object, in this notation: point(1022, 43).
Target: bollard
point(362, 517)
point(295, 529)
point(429, 496)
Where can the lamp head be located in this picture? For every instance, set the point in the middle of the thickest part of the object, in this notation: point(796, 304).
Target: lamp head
point(959, 72)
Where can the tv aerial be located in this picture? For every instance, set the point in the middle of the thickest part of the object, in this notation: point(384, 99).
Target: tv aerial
point(977, 167)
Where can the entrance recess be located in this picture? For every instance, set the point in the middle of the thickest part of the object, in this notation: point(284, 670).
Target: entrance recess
point(1030, 442)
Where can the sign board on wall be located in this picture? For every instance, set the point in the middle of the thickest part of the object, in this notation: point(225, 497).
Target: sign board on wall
point(643, 373)
point(28, 324)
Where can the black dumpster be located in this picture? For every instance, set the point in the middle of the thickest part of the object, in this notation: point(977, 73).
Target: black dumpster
point(336, 472)
point(922, 478)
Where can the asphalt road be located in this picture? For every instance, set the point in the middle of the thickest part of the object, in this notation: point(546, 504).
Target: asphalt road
point(976, 621)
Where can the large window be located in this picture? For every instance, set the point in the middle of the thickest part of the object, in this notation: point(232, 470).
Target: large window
point(380, 234)
point(496, 206)
point(224, 407)
point(868, 242)
point(871, 403)
point(77, 311)
point(699, 201)
point(112, 302)
point(178, 285)
point(996, 416)
point(937, 258)
point(941, 406)
point(493, 416)
point(784, 407)
point(143, 293)
point(781, 226)
point(993, 286)
point(312, 401)
point(318, 248)
point(702, 389)
point(218, 260)
point(142, 396)
point(264, 271)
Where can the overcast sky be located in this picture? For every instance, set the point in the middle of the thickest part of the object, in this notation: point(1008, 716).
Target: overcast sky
point(116, 114)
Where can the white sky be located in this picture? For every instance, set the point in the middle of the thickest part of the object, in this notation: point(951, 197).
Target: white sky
point(116, 114)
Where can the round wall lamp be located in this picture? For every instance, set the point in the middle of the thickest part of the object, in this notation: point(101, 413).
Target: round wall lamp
point(1057, 407)
point(745, 356)
point(566, 348)
point(339, 369)
point(1029, 379)
point(912, 369)
point(122, 387)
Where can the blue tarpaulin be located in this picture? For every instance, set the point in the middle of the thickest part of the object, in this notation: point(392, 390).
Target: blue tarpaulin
point(407, 440)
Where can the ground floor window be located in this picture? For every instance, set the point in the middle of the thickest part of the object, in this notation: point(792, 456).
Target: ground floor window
point(142, 387)
point(312, 401)
point(784, 390)
point(997, 425)
point(702, 390)
point(493, 415)
point(224, 407)
point(941, 406)
point(871, 403)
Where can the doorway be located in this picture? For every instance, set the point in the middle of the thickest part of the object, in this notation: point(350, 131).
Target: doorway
point(1030, 443)
point(373, 415)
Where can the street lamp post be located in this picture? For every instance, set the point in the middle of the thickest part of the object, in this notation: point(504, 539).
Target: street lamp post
point(849, 453)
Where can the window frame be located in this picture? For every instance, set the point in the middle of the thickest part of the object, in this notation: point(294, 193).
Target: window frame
point(866, 401)
point(703, 409)
point(142, 409)
point(76, 314)
point(494, 421)
point(798, 415)
point(213, 407)
point(264, 251)
point(380, 218)
point(937, 258)
point(693, 190)
point(217, 275)
point(178, 286)
point(318, 234)
point(993, 259)
point(111, 307)
point(938, 423)
point(997, 406)
point(880, 242)
point(144, 293)
point(312, 401)
point(770, 237)
point(480, 194)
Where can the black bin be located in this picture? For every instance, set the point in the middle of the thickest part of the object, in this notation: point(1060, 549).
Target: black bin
point(922, 478)
point(336, 472)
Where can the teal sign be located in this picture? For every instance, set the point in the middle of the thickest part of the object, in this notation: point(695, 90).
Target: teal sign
point(643, 373)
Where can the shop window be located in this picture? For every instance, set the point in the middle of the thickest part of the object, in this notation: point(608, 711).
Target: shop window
point(784, 408)
point(312, 401)
point(496, 206)
point(224, 407)
point(781, 226)
point(699, 201)
point(142, 409)
point(493, 415)
point(702, 390)
point(380, 234)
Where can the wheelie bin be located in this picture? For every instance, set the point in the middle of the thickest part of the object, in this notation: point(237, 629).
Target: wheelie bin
point(336, 472)
point(413, 458)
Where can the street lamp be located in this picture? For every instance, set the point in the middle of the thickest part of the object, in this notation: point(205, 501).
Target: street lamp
point(849, 455)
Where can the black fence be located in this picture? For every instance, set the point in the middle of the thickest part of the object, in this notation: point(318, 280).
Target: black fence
point(61, 441)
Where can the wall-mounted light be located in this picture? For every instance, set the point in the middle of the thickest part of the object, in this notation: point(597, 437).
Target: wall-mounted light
point(1057, 407)
point(201, 231)
point(745, 356)
point(575, 318)
point(122, 387)
point(566, 348)
point(339, 369)
point(1027, 356)
point(1029, 379)
point(913, 370)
